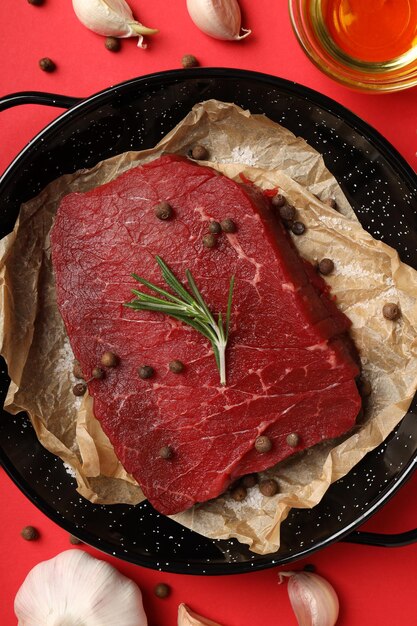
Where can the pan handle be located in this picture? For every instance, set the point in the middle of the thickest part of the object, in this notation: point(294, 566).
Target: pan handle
point(395, 540)
point(37, 97)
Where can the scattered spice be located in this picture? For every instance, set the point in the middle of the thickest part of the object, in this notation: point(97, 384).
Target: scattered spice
point(113, 44)
point(146, 371)
point(331, 202)
point(209, 240)
point(176, 366)
point(228, 225)
point(162, 590)
point(279, 200)
point(98, 373)
point(391, 311)
point(238, 493)
point(163, 210)
point(199, 152)
point(77, 371)
point(268, 487)
point(109, 359)
point(287, 212)
point(47, 65)
point(79, 389)
point(166, 452)
point(293, 439)
point(189, 60)
point(74, 540)
point(326, 267)
point(298, 228)
point(215, 228)
point(263, 444)
point(250, 480)
point(29, 533)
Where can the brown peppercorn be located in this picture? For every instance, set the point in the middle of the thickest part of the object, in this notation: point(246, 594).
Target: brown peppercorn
point(113, 44)
point(162, 590)
point(199, 152)
point(47, 65)
point(250, 480)
point(326, 267)
point(74, 540)
point(331, 202)
point(238, 493)
point(215, 228)
point(391, 311)
point(30, 533)
point(293, 439)
point(287, 212)
point(79, 389)
point(109, 359)
point(77, 371)
point(263, 444)
point(176, 366)
point(145, 371)
point(163, 210)
point(228, 225)
point(98, 373)
point(189, 60)
point(278, 200)
point(209, 241)
point(268, 487)
point(166, 452)
point(298, 228)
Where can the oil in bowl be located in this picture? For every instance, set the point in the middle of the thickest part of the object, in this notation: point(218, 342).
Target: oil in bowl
point(370, 45)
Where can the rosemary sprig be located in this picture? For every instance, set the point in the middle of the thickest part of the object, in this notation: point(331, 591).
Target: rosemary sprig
point(188, 307)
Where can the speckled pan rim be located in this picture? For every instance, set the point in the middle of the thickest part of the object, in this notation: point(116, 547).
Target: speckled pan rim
point(396, 162)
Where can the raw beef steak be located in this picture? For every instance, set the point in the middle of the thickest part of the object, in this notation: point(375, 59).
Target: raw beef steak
point(291, 366)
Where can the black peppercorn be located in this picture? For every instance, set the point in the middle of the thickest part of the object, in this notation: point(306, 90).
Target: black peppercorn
point(209, 241)
point(47, 65)
point(162, 590)
point(166, 452)
point(238, 493)
point(326, 267)
point(200, 153)
point(287, 212)
point(228, 225)
point(113, 44)
point(189, 60)
point(176, 366)
point(146, 371)
point(29, 533)
point(163, 210)
point(268, 487)
point(263, 444)
point(109, 359)
point(278, 200)
point(391, 311)
point(215, 228)
point(298, 228)
point(79, 389)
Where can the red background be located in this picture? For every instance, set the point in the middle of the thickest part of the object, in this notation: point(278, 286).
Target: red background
point(375, 585)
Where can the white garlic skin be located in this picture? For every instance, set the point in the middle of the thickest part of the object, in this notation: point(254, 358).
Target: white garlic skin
point(76, 589)
point(187, 617)
point(313, 599)
point(111, 18)
point(220, 19)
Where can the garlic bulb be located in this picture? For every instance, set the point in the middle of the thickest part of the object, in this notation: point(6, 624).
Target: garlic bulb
point(218, 18)
point(75, 589)
point(112, 18)
point(187, 617)
point(313, 599)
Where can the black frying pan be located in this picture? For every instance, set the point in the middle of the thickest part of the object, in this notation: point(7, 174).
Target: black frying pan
point(134, 116)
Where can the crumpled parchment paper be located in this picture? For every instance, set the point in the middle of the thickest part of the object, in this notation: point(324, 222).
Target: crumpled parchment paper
point(368, 273)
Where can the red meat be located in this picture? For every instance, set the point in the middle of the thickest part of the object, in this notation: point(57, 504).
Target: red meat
point(291, 366)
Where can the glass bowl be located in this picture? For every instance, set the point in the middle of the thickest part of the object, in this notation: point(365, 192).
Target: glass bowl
point(391, 75)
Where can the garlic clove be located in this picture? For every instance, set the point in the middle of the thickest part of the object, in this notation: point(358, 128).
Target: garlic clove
point(220, 19)
point(313, 599)
point(76, 589)
point(111, 18)
point(187, 617)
